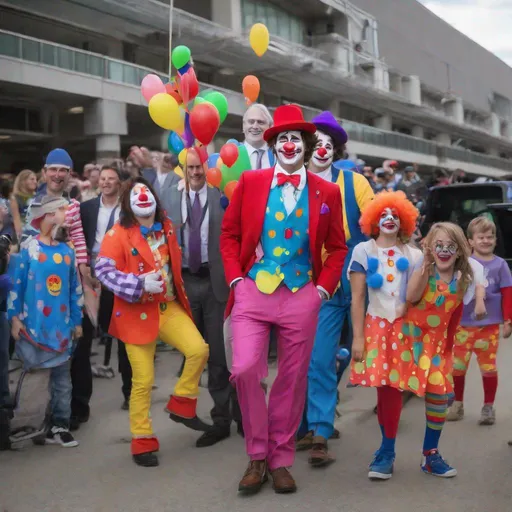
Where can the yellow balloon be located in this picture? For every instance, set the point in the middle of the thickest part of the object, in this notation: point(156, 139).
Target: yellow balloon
point(179, 171)
point(182, 157)
point(259, 39)
point(164, 111)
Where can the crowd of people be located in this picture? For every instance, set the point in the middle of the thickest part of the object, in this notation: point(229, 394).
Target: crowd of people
point(315, 260)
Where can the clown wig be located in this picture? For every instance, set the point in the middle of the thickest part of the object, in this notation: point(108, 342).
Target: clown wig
point(398, 201)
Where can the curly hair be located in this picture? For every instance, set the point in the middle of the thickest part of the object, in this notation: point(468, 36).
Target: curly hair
point(310, 142)
point(126, 216)
point(407, 213)
point(462, 265)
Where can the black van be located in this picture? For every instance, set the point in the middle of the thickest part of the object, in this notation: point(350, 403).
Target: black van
point(461, 203)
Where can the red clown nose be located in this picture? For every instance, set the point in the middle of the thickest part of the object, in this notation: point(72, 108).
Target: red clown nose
point(321, 152)
point(289, 147)
point(143, 197)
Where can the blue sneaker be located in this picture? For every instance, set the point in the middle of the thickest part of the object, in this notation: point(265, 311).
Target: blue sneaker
point(434, 464)
point(381, 467)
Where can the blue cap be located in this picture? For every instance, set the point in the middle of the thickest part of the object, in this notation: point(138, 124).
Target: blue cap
point(59, 156)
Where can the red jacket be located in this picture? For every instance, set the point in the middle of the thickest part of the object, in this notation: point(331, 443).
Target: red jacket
point(243, 224)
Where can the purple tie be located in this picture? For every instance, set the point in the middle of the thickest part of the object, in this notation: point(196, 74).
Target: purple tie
point(194, 238)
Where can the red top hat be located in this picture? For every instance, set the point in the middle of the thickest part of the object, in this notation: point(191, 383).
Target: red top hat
point(288, 118)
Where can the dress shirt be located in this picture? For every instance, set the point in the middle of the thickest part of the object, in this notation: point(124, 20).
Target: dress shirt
point(290, 194)
point(253, 155)
point(326, 174)
point(102, 224)
point(203, 196)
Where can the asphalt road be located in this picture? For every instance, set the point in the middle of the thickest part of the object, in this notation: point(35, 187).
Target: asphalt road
point(99, 475)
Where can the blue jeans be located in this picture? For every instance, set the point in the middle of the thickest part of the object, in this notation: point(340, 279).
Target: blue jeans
point(5, 396)
point(60, 393)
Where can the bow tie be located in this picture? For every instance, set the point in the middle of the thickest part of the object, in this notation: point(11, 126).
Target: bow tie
point(283, 178)
point(157, 226)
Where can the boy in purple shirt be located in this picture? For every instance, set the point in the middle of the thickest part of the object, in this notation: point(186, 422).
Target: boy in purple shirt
point(481, 337)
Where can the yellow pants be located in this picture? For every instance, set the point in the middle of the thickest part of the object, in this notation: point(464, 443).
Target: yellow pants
point(179, 331)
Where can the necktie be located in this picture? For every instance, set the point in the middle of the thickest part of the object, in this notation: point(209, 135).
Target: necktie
point(283, 178)
point(194, 237)
point(259, 158)
point(157, 226)
point(111, 219)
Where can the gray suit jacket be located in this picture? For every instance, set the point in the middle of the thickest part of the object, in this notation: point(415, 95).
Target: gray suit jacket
point(215, 213)
point(163, 192)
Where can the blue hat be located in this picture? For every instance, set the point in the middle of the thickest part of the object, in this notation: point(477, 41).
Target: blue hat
point(326, 122)
point(345, 165)
point(59, 156)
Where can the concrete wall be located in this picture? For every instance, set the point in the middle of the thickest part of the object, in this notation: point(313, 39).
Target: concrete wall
point(416, 42)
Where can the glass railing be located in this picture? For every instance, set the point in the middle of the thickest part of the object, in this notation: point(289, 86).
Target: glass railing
point(72, 59)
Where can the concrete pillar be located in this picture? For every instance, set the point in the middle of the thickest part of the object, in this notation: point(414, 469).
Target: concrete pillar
point(108, 147)
point(444, 139)
point(411, 89)
point(494, 125)
point(454, 109)
point(384, 123)
point(228, 13)
point(380, 77)
point(418, 131)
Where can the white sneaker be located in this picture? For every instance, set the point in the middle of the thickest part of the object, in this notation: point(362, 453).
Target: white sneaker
point(455, 412)
point(62, 436)
point(488, 416)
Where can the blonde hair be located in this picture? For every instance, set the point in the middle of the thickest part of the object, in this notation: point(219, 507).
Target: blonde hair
point(481, 225)
point(20, 180)
point(463, 252)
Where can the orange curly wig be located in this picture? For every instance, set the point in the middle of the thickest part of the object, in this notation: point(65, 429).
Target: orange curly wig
point(407, 212)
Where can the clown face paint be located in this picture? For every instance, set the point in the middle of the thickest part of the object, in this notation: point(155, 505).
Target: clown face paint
point(142, 201)
point(290, 149)
point(324, 151)
point(389, 222)
point(445, 251)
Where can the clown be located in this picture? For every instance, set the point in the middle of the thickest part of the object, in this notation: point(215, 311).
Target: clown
point(273, 232)
point(318, 419)
point(140, 262)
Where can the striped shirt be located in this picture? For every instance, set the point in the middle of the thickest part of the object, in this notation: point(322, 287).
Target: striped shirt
point(128, 287)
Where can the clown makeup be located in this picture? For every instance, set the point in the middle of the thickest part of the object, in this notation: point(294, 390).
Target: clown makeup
point(389, 222)
point(142, 201)
point(445, 251)
point(324, 151)
point(290, 149)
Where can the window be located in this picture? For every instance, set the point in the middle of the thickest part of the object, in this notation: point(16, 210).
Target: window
point(278, 21)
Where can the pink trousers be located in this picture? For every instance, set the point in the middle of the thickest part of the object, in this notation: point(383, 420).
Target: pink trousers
point(270, 432)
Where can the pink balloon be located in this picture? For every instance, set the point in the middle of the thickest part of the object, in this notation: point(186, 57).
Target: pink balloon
point(152, 85)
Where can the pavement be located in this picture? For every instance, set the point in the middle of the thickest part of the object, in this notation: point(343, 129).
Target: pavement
point(99, 475)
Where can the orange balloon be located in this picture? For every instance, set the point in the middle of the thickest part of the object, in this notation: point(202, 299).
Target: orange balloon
point(230, 188)
point(214, 177)
point(251, 88)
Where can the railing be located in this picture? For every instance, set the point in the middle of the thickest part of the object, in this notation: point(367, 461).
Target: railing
point(80, 61)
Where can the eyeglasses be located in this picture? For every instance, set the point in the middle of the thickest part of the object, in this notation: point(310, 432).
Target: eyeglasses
point(442, 247)
point(57, 170)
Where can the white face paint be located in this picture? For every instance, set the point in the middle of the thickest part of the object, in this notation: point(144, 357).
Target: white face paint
point(389, 222)
point(290, 148)
point(142, 201)
point(324, 151)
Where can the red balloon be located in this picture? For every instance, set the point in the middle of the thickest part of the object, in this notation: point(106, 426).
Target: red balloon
point(214, 177)
point(229, 154)
point(202, 153)
point(188, 86)
point(172, 91)
point(204, 122)
point(230, 188)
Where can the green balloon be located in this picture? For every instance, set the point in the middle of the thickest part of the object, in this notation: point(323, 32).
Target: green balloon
point(219, 101)
point(180, 56)
point(199, 100)
point(233, 173)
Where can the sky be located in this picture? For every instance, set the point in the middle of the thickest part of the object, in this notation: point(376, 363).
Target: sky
point(485, 21)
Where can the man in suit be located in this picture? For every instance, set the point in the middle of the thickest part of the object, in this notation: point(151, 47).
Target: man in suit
point(195, 208)
point(98, 217)
point(273, 233)
point(256, 120)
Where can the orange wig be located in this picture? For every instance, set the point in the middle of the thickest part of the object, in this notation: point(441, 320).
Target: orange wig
point(407, 213)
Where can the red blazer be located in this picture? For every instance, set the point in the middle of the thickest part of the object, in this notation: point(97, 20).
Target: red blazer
point(243, 224)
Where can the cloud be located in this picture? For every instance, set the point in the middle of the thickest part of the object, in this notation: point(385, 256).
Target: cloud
point(485, 21)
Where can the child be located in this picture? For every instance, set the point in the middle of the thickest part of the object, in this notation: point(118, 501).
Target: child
point(45, 310)
point(439, 285)
point(382, 267)
point(481, 337)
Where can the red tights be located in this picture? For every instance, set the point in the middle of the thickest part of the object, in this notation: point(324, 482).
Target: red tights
point(389, 408)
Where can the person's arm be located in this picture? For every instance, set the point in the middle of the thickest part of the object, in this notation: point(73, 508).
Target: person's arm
point(76, 299)
point(358, 313)
point(506, 299)
point(19, 273)
point(76, 234)
point(16, 217)
point(363, 190)
point(453, 323)
point(419, 279)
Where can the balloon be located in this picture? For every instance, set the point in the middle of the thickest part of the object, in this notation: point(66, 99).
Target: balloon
point(188, 86)
point(232, 141)
point(182, 157)
point(224, 202)
point(199, 100)
point(212, 160)
point(230, 188)
point(219, 101)
point(164, 111)
point(175, 143)
point(229, 154)
point(179, 171)
point(172, 90)
point(180, 56)
point(151, 85)
point(250, 88)
point(219, 163)
point(202, 153)
point(234, 172)
point(180, 130)
point(214, 177)
point(187, 136)
point(204, 122)
point(259, 39)
point(184, 69)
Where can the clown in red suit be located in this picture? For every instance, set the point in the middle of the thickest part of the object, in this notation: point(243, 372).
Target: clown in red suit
point(273, 232)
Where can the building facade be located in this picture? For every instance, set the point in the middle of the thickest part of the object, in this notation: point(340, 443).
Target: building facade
point(406, 85)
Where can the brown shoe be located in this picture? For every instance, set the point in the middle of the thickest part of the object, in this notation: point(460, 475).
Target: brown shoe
point(305, 443)
point(319, 456)
point(283, 481)
point(254, 477)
